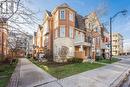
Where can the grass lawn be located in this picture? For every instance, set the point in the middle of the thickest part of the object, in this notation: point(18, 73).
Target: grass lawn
point(107, 61)
point(6, 71)
point(62, 70)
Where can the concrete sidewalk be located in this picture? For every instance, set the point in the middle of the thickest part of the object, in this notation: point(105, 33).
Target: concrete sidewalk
point(30, 75)
point(107, 76)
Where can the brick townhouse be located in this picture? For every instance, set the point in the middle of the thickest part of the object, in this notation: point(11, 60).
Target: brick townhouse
point(83, 36)
point(3, 37)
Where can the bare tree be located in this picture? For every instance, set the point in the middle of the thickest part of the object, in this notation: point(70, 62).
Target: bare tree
point(18, 15)
point(16, 42)
point(19, 18)
point(8, 8)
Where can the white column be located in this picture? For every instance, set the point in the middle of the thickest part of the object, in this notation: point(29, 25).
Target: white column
point(81, 47)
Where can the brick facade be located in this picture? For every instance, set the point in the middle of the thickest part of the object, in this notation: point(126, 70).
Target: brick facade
point(65, 27)
point(3, 38)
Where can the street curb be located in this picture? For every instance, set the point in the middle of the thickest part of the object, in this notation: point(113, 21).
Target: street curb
point(120, 79)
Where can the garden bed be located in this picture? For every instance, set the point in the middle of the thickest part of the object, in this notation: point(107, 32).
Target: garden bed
point(6, 70)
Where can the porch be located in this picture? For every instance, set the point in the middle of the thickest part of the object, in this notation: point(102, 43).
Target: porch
point(82, 51)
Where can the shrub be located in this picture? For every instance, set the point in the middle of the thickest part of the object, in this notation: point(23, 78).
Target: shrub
point(74, 60)
point(48, 55)
point(99, 58)
point(29, 55)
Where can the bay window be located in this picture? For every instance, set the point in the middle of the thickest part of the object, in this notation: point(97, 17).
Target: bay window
point(62, 31)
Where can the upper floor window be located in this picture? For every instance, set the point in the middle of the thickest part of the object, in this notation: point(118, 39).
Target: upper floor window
point(71, 32)
point(96, 30)
point(71, 16)
point(62, 14)
point(97, 41)
point(82, 37)
point(62, 31)
point(76, 36)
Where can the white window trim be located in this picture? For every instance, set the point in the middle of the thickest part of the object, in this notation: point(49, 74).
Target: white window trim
point(64, 30)
point(81, 37)
point(71, 30)
point(61, 15)
point(71, 16)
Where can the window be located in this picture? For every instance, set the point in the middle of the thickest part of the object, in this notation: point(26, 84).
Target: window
point(71, 16)
point(62, 14)
point(97, 41)
point(62, 31)
point(96, 30)
point(71, 32)
point(56, 33)
point(76, 36)
point(82, 36)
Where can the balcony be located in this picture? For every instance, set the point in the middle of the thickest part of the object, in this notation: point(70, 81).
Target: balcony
point(86, 41)
point(82, 43)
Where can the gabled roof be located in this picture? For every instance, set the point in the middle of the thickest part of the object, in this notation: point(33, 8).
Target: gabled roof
point(64, 5)
point(35, 33)
point(79, 22)
point(40, 26)
point(48, 13)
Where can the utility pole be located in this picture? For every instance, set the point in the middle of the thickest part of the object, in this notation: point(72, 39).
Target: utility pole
point(110, 39)
point(2, 41)
point(111, 18)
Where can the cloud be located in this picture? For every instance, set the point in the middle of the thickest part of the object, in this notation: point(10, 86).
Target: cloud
point(127, 41)
point(127, 45)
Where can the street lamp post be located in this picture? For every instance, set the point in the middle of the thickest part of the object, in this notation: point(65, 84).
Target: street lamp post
point(111, 18)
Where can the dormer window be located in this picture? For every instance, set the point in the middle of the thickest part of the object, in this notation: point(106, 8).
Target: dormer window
point(62, 14)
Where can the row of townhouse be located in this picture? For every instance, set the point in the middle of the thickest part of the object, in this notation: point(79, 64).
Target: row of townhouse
point(84, 37)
